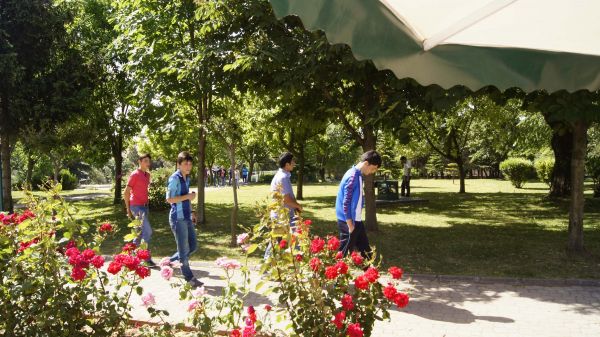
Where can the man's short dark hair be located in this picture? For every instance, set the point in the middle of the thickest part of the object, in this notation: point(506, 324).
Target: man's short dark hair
point(285, 158)
point(371, 157)
point(184, 156)
point(403, 158)
point(144, 156)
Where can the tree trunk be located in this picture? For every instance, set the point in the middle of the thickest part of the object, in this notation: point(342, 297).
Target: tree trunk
point(369, 143)
point(7, 202)
point(250, 169)
point(56, 169)
point(202, 112)
point(117, 152)
point(461, 174)
point(575, 243)
point(562, 145)
point(234, 211)
point(29, 174)
point(301, 168)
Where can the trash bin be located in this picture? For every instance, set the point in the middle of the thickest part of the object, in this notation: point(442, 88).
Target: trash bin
point(387, 190)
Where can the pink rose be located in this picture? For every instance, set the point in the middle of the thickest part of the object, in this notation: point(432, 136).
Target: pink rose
point(166, 272)
point(192, 305)
point(148, 300)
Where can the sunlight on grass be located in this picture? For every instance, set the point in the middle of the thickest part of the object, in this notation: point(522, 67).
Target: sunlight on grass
point(494, 229)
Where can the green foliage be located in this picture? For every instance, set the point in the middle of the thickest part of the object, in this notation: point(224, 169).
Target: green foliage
point(158, 188)
point(544, 167)
point(266, 178)
point(311, 280)
point(68, 180)
point(592, 167)
point(42, 292)
point(517, 170)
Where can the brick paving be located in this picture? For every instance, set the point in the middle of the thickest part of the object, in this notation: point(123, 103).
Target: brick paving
point(442, 308)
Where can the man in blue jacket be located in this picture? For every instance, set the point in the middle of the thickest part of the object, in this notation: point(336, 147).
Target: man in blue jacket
point(350, 203)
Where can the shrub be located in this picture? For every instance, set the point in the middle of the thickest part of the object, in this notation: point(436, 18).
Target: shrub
point(158, 188)
point(544, 167)
point(592, 166)
point(53, 281)
point(266, 178)
point(517, 170)
point(68, 180)
point(322, 293)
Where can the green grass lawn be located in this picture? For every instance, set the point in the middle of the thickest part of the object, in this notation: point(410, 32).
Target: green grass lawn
point(493, 230)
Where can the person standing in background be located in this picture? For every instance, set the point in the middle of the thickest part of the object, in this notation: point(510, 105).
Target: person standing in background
point(405, 186)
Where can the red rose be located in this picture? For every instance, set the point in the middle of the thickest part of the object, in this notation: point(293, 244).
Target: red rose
point(315, 264)
point(98, 261)
point(119, 258)
point(361, 282)
point(338, 319)
point(395, 272)
point(71, 244)
point(235, 333)
point(251, 310)
point(317, 245)
point(308, 222)
point(72, 251)
point(342, 267)
point(331, 272)
point(79, 261)
point(131, 262)
point(299, 257)
point(129, 247)
point(372, 274)
point(401, 300)
point(143, 254)
point(282, 244)
point(333, 244)
point(347, 303)
point(77, 274)
point(357, 258)
point(339, 255)
point(142, 271)
point(268, 307)
point(252, 317)
point(114, 267)
point(88, 254)
point(354, 330)
point(106, 227)
point(390, 292)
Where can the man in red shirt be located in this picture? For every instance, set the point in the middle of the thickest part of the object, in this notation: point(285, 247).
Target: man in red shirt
point(136, 198)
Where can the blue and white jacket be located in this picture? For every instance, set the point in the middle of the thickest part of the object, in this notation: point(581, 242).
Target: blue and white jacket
point(349, 195)
point(178, 186)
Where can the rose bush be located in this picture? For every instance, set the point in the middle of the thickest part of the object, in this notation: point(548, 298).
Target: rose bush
point(53, 279)
point(322, 292)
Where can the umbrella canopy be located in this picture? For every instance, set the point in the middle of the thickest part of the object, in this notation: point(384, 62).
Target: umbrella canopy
point(531, 44)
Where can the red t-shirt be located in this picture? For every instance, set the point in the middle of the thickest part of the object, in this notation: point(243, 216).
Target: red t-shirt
point(139, 181)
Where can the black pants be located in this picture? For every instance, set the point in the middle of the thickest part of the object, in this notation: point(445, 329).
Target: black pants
point(405, 186)
point(358, 239)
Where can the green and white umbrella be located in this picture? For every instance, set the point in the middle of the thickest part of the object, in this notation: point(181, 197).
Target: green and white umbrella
point(531, 44)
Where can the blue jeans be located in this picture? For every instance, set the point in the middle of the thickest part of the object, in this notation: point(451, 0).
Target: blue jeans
point(185, 237)
point(141, 212)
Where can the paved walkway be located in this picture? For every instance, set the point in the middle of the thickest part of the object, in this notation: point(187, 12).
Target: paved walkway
point(443, 308)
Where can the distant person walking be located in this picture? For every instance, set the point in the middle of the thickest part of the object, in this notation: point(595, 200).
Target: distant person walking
point(405, 186)
point(136, 199)
point(349, 205)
